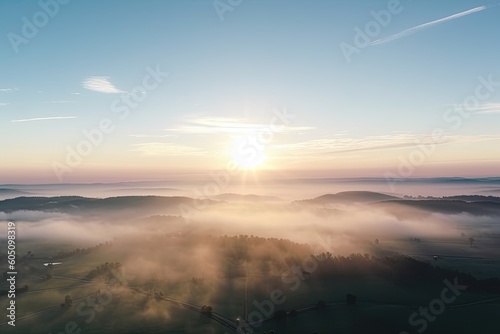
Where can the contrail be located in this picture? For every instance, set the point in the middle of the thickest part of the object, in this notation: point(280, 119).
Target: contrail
point(41, 119)
point(415, 29)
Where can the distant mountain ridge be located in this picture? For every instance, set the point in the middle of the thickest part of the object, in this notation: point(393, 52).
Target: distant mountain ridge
point(141, 206)
point(446, 206)
point(9, 192)
point(84, 205)
point(350, 197)
point(245, 198)
point(432, 180)
point(476, 205)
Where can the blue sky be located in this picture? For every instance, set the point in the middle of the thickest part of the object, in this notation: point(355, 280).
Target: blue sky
point(352, 118)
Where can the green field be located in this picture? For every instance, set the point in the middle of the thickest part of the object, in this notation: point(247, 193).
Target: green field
point(381, 303)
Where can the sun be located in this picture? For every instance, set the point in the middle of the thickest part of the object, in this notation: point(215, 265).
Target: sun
point(247, 155)
point(251, 160)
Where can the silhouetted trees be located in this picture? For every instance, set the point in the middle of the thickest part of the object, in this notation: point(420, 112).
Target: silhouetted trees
point(22, 289)
point(78, 251)
point(400, 269)
point(207, 310)
point(350, 299)
point(106, 270)
point(67, 301)
point(472, 240)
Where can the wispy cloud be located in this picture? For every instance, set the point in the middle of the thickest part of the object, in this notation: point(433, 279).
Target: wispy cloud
point(59, 101)
point(372, 143)
point(344, 144)
point(8, 90)
point(212, 125)
point(42, 119)
point(488, 108)
point(100, 84)
point(167, 149)
point(149, 136)
point(415, 29)
point(4, 104)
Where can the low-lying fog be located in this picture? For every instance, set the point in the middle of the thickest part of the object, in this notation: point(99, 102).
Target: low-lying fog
point(340, 229)
point(196, 250)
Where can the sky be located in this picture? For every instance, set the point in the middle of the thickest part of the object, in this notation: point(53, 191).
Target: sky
point(95, 91)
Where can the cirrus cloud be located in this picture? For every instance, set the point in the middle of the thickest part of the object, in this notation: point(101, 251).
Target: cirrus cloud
point(100, 84)
point(415, 29)
point(211, 125)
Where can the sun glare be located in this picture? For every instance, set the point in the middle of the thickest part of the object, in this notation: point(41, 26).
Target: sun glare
point(252, 160)
point(246, 162)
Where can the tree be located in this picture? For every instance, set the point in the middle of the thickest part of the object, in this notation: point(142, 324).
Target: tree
point(68, 301)
point(350, 299)
point(23, 289)
point(325, 256)
point(471, 240)
point(321, 304)
point(207, 310)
